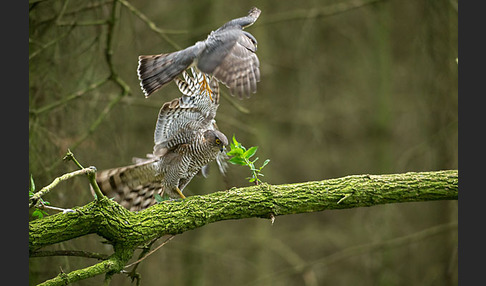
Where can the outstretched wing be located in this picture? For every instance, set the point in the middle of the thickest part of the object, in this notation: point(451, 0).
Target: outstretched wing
point(230, 57)
point(228, 54)
point(154, 71)
point(180, 118)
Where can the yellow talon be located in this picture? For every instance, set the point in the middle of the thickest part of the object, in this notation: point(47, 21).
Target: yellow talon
point(205, 87)
point(180, 192)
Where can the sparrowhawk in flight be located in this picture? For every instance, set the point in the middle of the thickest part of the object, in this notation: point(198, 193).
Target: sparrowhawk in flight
point(228, 54)
point(186, 140)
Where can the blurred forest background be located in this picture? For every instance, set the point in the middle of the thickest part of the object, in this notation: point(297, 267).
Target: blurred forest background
point(347, 87)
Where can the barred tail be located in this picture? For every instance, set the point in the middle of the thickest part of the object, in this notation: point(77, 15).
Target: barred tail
point(154, 71)
point(133, 186)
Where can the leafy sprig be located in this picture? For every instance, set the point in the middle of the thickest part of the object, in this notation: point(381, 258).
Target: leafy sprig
point(37, 212)
point(241, 156)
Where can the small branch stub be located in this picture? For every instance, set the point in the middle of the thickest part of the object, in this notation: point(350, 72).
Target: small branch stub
point(272, 218)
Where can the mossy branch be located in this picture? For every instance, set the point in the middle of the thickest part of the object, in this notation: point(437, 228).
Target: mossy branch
point(127, 230)
point(35, 198)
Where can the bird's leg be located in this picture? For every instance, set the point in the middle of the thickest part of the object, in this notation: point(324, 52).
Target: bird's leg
point(180, 192)
point(205, 86)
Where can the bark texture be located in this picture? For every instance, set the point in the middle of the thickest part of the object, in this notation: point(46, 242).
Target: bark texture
point(126, 230)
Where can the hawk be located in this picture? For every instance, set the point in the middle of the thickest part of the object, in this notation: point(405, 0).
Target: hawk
point(186, 140)
point(228, 54)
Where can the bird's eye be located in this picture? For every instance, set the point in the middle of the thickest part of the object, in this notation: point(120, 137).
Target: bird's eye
point(217, 141)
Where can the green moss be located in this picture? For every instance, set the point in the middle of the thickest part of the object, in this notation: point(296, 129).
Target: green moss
point(127, 230)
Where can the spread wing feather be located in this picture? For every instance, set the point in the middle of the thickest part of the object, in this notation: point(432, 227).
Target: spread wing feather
point(228, 54)
point(192, 112)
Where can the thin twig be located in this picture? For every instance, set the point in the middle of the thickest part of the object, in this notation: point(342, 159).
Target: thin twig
point(113, 77)
point(61, 13)
point(74, 12)
point(234, 103)
point(302, 14)
point(162, 32)
point(79, 253)
point(91, 176)
point(44, 47)
point(44, 206)
point(155, 249)
point(82, 23)
point(70, 157)
point(115, 12)
point(33, 200)
point(111, 21)
point(363, 248)
point(70, 97)
point(133, 273)
point(99, 120)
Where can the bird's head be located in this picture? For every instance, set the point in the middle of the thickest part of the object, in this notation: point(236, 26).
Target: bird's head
point(216, 139)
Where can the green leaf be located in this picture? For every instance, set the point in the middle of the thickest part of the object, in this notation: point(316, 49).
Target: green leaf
point(236, 143)
point(250, 152)
point(32, 185)
point(158, 198)
point(237, 161)
point(265, 163)
point(39, 213)
point(235, 152)
point(241, 156)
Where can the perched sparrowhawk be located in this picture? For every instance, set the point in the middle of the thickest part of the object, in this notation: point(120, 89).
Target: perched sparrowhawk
point(228, 54)
point(186, 140)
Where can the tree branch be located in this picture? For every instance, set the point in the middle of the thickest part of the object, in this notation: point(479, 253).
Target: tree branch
point(35, 198)
point(79, 253)
point(127, 230)
point(118, 225)
point(109, 266)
